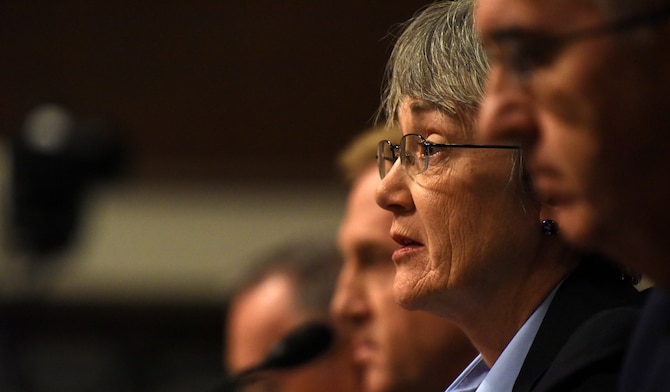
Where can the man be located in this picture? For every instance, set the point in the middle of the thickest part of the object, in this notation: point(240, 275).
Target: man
point(285, 290)
point(397, 350)
point(584, 87)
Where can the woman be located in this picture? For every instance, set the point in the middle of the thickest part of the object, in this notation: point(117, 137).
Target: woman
point(476, 246)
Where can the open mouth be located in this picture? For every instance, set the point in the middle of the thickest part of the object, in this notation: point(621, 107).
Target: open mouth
point(405, 241)
point(408, 247)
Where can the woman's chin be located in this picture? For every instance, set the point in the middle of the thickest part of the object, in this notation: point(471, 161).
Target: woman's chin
point(406, 295)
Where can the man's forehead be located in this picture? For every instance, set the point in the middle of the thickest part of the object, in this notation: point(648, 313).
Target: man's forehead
point(491, 16)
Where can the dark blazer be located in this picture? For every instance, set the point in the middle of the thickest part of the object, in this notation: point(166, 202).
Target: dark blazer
point(647, 365)
point(585, 332)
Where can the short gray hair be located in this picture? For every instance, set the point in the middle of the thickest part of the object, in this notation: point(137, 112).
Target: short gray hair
point(438, 58)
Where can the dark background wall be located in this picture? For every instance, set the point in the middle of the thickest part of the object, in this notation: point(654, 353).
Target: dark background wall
point(205, 89)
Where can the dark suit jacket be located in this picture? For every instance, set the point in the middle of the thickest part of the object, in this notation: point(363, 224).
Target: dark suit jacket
point(585, 332)
point(647, 365)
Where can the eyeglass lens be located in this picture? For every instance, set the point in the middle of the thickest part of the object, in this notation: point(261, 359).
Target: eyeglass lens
point(411, 151)
point(413, 154)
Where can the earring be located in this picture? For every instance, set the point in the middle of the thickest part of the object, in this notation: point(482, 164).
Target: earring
point(549, 227)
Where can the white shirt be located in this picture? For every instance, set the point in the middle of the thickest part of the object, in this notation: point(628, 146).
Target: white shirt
point(500, 378)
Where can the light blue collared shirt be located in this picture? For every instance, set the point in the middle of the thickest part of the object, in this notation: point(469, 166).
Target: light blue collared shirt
point(500, 378)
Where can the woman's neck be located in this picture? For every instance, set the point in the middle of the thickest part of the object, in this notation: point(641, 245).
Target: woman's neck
point(493, 319)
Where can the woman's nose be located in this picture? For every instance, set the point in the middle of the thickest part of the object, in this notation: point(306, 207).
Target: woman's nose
point(392, 191)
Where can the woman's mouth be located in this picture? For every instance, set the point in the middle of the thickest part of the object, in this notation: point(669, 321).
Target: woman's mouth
point(407, 246)
point(403, 240)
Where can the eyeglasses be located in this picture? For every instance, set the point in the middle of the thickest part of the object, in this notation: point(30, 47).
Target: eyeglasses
point(415, 153)
point(523, 52)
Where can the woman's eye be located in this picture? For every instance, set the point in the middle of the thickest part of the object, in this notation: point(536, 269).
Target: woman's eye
point(430, 150)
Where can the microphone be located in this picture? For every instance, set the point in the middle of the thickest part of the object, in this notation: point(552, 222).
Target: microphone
point(299, 347)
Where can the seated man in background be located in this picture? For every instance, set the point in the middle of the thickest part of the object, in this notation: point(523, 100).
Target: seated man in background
point(280, 293)
point(396, 349)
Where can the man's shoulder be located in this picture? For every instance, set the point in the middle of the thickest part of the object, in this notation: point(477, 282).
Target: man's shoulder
point(647, 366)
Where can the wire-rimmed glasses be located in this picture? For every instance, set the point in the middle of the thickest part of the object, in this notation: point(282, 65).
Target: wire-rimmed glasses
point(415, 152)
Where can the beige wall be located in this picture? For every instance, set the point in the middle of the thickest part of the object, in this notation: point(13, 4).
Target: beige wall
point(174, 242)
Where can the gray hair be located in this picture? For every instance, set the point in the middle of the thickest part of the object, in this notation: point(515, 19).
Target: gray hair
point(438, 58)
